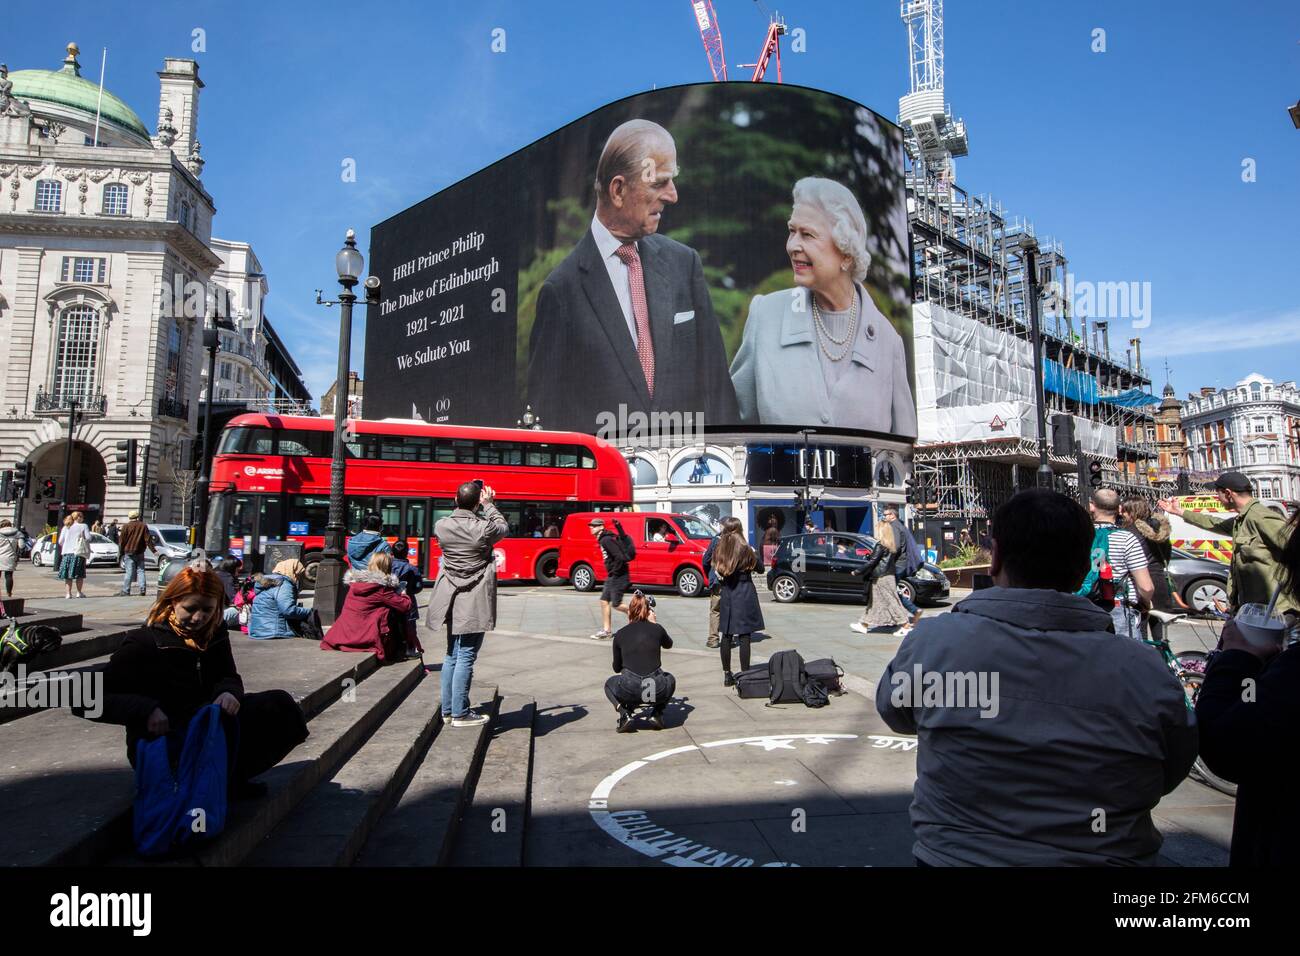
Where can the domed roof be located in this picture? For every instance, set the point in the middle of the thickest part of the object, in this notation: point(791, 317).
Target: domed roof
point(1169, 388)
point(66, 87)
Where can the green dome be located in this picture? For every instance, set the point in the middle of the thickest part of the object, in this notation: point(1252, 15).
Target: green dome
point(66, 88)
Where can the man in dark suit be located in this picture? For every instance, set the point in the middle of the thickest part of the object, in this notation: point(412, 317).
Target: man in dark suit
point(626, 318)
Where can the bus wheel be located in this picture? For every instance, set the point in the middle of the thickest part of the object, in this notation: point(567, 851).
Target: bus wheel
point(582, 577)
point(545, 568)
point(311, 563)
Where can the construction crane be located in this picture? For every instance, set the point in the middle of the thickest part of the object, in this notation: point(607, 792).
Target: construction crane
point(932, 136)
point(711, 33)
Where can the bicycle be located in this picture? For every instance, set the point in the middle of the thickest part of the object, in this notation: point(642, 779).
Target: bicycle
point(1189, 668)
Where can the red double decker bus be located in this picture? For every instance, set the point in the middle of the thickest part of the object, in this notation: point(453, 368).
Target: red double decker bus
point(271, 480)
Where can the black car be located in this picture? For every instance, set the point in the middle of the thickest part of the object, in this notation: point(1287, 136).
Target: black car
point(822, 564)
point(1198, 581)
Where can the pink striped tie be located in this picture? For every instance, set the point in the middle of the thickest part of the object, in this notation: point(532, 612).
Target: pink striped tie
point(645, 349)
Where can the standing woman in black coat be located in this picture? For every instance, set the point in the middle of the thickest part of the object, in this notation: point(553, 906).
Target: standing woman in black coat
point(739, 615)
point(179, 662)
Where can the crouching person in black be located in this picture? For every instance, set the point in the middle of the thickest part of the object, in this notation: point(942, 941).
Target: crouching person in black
point(180, 661)
point(639, 677)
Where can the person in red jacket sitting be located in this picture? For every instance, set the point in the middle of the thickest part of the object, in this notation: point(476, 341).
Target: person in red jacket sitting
point(375, 614)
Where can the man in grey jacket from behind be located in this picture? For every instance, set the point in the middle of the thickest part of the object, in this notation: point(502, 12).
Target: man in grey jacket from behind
point(1045, 740)
point(464, 596)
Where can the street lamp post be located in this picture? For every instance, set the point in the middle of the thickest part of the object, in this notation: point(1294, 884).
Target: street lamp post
point(329, 573)
point(67, 477)
point(212, 342)
point(1029, 257)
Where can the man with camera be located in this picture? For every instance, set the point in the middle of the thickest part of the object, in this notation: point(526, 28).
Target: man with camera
point(464, 597)
point(617, 550)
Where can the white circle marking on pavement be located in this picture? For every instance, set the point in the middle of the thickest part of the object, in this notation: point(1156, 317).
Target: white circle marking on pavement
point(635, 830)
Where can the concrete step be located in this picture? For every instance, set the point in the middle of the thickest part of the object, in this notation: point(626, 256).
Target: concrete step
point(333, 822)
point(68, 788)
point(67, 622)
point(421, 829)
point(491, 831)
point(335, 736)
point(14, 704)
point(14, 606)
point(83, 644)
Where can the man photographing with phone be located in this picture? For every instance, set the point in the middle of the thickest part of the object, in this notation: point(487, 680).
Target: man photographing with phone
point(464, 597)
point(617, 550)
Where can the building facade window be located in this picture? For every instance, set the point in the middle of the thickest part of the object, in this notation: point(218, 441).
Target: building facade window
point(172, 374)
point(84, 269)
point(115, 199)
point(76, 353)
point(49, 195)
point(185, 215)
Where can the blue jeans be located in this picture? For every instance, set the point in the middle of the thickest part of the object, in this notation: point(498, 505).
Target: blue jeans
point(134, 568)
point(458, 671)
point(907, 602)
point(1128, 622)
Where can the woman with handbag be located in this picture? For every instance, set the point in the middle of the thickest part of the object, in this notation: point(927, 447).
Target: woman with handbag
point(739, 614)
point(74, 544)
point(883, 609)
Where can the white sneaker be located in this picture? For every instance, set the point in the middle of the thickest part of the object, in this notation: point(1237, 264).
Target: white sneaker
point(470, 719)
point(602, 635)
point(859, 627)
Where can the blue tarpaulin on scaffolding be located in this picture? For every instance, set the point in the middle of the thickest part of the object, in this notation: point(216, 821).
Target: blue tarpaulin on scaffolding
point(1082, 387)
point(1133, 398)
point(1069, 382)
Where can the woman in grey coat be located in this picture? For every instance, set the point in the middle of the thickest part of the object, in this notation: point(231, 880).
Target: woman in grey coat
point(822, 351)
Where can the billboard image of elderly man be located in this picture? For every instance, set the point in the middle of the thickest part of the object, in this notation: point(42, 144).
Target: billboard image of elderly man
point(626, 319)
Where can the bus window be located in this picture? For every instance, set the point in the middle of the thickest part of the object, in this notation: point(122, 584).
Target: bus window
point(390, 510)
point(442, 507)
point(500, 453)
point(539, 458)
point(456, 451)
point(303, 444)
point(313, 510)
point(357, 509)
point(271, 523)
point(247, 441)
point(415, 514)
point(566, 457)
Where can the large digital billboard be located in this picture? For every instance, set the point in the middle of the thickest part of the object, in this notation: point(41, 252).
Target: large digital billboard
point(732, 253)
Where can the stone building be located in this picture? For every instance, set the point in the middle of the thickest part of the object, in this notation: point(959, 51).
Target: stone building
point(1252, 427)
point(106, 268)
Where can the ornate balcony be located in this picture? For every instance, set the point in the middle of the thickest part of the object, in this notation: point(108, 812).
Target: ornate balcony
point(174, 408)
point(60, 403)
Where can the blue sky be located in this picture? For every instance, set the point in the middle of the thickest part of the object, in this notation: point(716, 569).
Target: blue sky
point(1132, 157)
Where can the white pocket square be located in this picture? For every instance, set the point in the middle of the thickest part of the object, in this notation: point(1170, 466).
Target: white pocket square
point(681, 317)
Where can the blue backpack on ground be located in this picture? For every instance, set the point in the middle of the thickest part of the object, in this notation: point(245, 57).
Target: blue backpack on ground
point(176, 809)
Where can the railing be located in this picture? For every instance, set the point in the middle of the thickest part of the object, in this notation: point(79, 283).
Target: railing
point(48, 403)
point(173, 408)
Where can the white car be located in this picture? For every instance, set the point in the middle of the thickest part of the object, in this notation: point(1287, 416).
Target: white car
point(102, 551)
point(171, 540)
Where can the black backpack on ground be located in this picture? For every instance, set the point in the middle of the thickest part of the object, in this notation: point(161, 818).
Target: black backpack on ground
point(827, 673)
point(790, 683)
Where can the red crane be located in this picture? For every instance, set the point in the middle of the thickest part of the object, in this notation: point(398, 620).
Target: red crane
point(711, 34)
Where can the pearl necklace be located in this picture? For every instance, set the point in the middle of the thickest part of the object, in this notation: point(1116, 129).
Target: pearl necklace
point(824, 334)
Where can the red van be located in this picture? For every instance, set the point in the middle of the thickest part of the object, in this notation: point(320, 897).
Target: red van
point(669, 549)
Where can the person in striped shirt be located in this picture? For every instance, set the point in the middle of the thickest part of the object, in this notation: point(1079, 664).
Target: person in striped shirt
point(1128, 563)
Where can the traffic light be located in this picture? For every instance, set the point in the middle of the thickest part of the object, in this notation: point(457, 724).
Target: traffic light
point(910, 484)
point(127, 451)
point(1063, 435)
point(1184, 483)
point(49, 487)
point(155, 499)
point(23, 481)
point(1094, 473)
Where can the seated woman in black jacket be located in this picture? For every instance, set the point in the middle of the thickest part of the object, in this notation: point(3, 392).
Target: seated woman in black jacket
point(180, 661)
point(639, 677)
